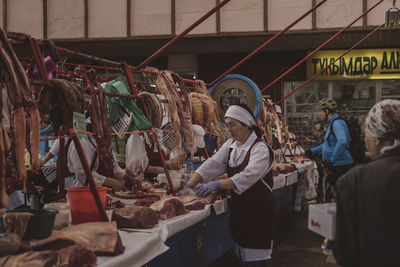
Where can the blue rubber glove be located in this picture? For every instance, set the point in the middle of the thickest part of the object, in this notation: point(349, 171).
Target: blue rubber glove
point(207, 188)
point(186, 186)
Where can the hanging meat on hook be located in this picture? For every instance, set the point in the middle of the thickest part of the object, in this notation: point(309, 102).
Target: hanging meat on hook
point(211, 122)
point(48, 101)
point(172, 114)
point(154, 107)
point(172, 81)
point(278, 126)
point(99, 119)
point(3, 155)
point(17, 85)
point(267, 123)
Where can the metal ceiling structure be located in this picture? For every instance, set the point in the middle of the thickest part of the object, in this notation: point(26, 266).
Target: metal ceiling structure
point(237, 43)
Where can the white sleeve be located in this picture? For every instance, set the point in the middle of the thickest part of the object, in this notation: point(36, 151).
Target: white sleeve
point(55, 148)
point(257, 168)
point(75, 165)
point(216, 165)
point(119, 173)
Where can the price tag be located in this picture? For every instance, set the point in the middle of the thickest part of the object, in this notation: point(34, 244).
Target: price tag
point(79, 122)
point(159, 134)
point(278, 109)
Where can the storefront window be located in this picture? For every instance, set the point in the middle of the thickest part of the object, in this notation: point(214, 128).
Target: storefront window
point(300, 109)
point(390, 89)
point(354, 98)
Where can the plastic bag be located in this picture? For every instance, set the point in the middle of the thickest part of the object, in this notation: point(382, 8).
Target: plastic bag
point(310, 192)
point(136, 159)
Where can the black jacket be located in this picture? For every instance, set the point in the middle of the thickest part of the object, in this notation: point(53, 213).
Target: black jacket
point(368, 213)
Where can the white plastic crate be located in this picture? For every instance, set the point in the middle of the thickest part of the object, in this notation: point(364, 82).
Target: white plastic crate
point(321, 221)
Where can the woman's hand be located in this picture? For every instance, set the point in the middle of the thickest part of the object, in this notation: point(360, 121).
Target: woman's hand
point(132, 183)
point(207, 188)
point(185, 187)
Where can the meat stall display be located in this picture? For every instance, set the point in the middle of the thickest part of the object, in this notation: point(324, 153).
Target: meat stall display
point(149, 98)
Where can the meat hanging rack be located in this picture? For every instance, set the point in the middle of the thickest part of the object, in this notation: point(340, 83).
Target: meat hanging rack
point(38, 60)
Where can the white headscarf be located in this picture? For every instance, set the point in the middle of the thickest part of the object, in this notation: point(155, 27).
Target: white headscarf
point(240, 114)
point(383, 122)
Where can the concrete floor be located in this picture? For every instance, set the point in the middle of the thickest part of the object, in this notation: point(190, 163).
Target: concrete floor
point(295, 245)
point(298, 246)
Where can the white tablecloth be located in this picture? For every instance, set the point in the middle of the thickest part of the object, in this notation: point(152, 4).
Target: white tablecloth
point(167, 228)
point(279, 181)
point(301, 167)
point(142, 245)
point(292, 178)
point(140, 248)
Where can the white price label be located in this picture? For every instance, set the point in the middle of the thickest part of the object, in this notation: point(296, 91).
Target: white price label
point(278, 109)
point(159, 134)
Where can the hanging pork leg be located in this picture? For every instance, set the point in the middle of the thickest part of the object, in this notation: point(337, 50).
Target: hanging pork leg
point(19, 129)
point(34, 123)
point(3, 153)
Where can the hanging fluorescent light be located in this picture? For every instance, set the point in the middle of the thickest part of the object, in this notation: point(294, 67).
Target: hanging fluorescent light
point(393, 16)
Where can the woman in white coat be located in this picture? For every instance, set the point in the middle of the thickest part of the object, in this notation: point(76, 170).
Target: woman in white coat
point(248, 162)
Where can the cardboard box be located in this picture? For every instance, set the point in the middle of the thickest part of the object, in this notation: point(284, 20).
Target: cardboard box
point(322, 219)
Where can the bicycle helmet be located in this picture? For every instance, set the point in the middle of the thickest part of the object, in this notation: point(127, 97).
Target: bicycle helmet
point(327, 103)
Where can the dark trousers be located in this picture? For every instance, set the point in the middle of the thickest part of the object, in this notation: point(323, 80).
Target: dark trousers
point(334, 172)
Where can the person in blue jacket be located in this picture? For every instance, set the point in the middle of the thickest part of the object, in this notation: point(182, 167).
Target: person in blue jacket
point(336, 156)
point(335, 153)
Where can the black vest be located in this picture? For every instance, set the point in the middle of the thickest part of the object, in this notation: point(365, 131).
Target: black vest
point(252, 213)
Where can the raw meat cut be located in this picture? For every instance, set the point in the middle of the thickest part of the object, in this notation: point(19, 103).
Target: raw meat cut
point(168, 208)
point(77, 256)
point(31, 259)
point(16, 222)
point(100, 237)
point(135, 217)
point(196, 204)
point(146, 202)
point(10, 243)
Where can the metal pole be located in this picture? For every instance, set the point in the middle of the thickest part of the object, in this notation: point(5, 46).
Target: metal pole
point(85, 164)
point(265, 44)
point(61, 165)
point(181, 35)
point(333, 62)
point(319, 47)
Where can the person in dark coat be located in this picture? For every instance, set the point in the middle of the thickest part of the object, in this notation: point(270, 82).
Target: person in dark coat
point(368, 196)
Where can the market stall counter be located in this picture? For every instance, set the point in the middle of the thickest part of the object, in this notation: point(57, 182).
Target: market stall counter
point(201, 243)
